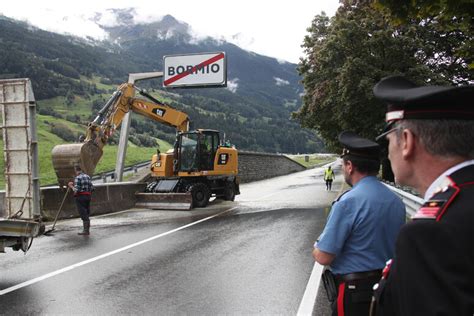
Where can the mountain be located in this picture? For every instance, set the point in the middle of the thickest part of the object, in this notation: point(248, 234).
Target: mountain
point(253, 111)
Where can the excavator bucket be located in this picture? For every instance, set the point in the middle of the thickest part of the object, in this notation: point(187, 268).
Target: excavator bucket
point(164, 201)
point(65, 157)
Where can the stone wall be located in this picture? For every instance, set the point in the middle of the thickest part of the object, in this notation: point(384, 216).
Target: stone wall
point(258, 166)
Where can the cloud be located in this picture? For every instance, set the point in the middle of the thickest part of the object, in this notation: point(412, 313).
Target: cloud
point(54, 21)
point(281, 61)
point(143, 16)
point(281, 82)
point(232, 85)
point(247, 26)
point(197, 37)
point(106, 18)
point(242, 40)
point(165, 35)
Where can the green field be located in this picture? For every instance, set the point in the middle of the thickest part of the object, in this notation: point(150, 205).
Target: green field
point(314, 160)
point(47, 140)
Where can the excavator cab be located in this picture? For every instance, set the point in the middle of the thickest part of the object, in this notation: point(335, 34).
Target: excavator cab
point(197, 150)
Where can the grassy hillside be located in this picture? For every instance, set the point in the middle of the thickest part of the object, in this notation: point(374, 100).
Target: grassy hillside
point(71, 76)
point(47, 140)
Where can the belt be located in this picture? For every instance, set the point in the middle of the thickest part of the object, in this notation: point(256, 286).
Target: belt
point(358, 276)
point(83, 193)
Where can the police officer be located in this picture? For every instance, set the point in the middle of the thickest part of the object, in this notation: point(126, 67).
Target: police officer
point(360, 233)
point(430, 132)
point(328, 177)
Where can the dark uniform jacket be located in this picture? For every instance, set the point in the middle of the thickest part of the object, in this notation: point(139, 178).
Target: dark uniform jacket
point(433, 269)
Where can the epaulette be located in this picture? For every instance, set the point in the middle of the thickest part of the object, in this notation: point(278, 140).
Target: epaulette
point(339, 197)
point(434, 208)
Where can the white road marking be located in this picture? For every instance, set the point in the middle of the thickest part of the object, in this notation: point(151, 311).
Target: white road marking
point(105, 255)
point(267, 196)
point(309, 296)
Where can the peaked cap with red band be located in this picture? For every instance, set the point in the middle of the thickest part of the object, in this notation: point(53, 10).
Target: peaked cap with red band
point(406, 100)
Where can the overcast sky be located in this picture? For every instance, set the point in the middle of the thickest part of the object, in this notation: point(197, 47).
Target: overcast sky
point(274, 28)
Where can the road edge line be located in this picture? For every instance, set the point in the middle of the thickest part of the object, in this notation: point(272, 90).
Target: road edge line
point(309, 297)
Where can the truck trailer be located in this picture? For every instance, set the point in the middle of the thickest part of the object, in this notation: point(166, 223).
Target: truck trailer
point(20, 217)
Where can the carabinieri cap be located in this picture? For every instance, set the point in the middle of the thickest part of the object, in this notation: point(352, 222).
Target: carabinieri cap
point(406, 100)
point(357, 146)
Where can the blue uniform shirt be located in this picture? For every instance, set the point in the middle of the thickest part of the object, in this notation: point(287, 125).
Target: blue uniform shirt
point(362, 227)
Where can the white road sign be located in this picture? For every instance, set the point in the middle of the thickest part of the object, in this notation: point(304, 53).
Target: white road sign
point(206, 69)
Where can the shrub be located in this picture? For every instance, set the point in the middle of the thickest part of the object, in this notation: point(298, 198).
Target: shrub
point(64, 132)
point(46, 111)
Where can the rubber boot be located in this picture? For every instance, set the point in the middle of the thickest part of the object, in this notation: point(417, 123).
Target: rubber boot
point(85, 231)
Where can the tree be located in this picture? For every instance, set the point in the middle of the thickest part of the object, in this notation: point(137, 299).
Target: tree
point(345, 56)
point(451, 38)
point(403, 10)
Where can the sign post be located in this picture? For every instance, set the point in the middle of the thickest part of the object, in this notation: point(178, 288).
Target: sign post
point(203, 69)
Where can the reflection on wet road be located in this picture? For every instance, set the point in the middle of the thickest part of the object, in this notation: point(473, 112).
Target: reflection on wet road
point(252, 256)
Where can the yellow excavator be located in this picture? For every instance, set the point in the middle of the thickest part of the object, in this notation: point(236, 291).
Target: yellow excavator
point(199, 166)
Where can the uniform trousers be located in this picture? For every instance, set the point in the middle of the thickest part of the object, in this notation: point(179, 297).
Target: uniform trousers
point(354, 296)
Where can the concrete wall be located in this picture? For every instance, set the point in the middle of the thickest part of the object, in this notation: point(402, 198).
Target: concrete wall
point(114, 197)
point(107, 198)
point(258, 166)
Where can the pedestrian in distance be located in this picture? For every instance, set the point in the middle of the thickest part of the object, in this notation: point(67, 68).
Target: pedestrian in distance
point(430, 134)
point(328, 177)
point(359, 236)
point(82, 187)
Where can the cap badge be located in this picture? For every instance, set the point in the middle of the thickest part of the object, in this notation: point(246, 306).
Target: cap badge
point(394, 115)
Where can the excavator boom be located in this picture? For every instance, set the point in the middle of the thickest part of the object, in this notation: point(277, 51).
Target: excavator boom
point(87, 154)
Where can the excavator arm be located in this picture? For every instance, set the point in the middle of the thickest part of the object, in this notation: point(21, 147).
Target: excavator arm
point(88, 153)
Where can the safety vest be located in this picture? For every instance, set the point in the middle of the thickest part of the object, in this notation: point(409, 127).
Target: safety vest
point(328, 174)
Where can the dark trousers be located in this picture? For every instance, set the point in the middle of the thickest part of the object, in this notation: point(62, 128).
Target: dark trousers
point(328, 184)
point(83, 203)
point(354, 297)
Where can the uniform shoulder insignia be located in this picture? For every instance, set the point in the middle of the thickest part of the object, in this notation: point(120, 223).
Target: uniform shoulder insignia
point(429, 210)
point(434, 208)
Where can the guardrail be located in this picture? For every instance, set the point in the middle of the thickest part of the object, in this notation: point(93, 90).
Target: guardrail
point(111, 174)
point(412, 202)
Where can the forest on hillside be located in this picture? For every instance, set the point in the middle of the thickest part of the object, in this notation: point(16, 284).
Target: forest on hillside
point(72, 79)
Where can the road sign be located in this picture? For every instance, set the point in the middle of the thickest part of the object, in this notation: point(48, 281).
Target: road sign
point(203, 69)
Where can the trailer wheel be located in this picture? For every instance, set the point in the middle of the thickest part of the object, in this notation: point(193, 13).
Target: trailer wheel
point(200, 193)
point(229, 191)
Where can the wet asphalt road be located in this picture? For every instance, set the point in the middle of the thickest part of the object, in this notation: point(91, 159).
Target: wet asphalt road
point(252, 256)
